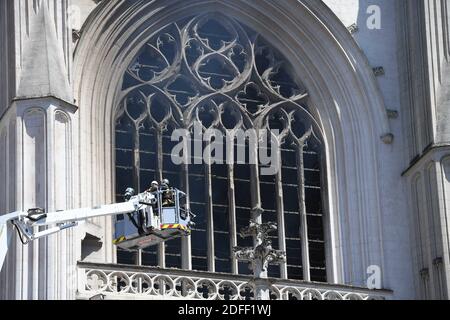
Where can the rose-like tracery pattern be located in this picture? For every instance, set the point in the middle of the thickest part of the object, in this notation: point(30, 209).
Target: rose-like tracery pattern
point(216, 71)
point(213, 54)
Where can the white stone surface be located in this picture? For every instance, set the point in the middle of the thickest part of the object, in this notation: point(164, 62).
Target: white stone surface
point(59, 157)
point(79, 11)
point(347, 11)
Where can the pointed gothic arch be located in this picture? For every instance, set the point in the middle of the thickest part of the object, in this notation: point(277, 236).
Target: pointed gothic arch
point(343, 97)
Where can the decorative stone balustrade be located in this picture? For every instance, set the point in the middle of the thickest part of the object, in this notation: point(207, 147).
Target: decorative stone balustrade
point(150, 283)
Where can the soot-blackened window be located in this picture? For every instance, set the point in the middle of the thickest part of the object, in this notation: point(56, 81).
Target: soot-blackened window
point(216, 72)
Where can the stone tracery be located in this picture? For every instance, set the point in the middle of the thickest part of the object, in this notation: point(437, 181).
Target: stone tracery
point(213, 70)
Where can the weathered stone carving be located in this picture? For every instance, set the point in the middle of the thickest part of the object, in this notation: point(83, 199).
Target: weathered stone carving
point(262, 254)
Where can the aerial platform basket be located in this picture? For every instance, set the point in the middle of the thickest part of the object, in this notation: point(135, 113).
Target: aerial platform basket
point(161, 221)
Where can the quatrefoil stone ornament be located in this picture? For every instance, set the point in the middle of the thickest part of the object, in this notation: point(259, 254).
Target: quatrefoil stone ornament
point(95, 282)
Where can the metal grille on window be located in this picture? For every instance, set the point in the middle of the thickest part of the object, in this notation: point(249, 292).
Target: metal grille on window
point(216, 71)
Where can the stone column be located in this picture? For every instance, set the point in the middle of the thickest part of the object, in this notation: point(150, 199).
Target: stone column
point(38, 139)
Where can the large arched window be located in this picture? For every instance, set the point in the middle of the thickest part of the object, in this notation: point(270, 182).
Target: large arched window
point(214, 70)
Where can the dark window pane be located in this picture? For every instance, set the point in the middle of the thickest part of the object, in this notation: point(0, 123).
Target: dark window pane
point(124, 140)
point(147, 176)
point(199, 263)
point(124, 158)
point(220, 190)
point(318, 275)
point(312, 178)
point(150, 257)
point(242, 171)
point(270, 216)
point(242, 194)
point(124, 179)
point(315, 227)
point(222, 252)
point(197, 187)
point(316, 253)
point(199, 247)
point(221, 219)
point(295, 273)
point(173, 253)
point(173, 261)
point(147, 142)
point(200, 219)
point(292, 222)
point(289, 157)
point(242, 221)
point(290, 198)
point(268, 196)
point(245, 268)
point(148, 160)
point(290, 177)
point(294, 252)
point(311, 160)
point(313, 200)
point(125, 257)
point(274, 271)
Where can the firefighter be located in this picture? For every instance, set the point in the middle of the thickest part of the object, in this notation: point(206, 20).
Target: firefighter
point(154, 187)
point(165, 184)
point(167, 194)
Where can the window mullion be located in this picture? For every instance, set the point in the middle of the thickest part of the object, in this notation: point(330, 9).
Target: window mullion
point(255, 189)
point(159, 144)
point(136, 160)
point(303, 215)
point(209, 219)
point(254, 184)
point(280, 214)
point(186, 245)
point(136, 175)
point(232, 218)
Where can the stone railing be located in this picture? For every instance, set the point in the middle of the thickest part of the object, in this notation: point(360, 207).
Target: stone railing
point(149, 283)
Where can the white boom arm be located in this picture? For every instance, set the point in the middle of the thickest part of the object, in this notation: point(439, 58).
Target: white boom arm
point(26, 222)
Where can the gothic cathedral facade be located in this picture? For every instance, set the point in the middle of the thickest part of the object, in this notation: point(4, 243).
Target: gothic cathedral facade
point(92, 92)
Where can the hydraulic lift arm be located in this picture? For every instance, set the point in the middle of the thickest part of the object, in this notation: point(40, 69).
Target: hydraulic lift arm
point(35, 223)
